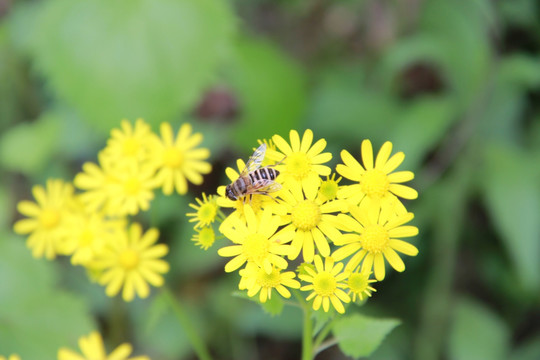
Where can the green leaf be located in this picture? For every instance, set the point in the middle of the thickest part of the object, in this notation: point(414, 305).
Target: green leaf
point(271, 91)
point(359, 335)
point(477, 333)
point(28, 147)
point(36, 318)
point(127, 59)
point(512, 195)
point(529, 350)
point(420, 127)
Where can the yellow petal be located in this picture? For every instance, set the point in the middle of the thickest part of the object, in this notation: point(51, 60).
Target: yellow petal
point(367, 154)
point(307, 139)
point(403, 191)
point(403, 247)
point(394, 260)
point(383, 155)
point(393, 162)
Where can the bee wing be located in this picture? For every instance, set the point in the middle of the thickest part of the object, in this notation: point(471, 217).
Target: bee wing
point(255, 160)
point(265, 185)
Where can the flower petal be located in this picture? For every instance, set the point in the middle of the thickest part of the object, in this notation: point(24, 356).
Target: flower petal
point(394, 260)
point(367, 154)
point(403, 191)
point(307, 139)
point(400, 176)
point(383, 155)
point(393, 162)
point(403, 247)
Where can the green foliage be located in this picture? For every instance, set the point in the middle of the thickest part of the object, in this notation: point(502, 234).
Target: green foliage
point(270, 89)
point(360, 335)
point(477, 333)
point(36, 319)
point(28, 148)
point(125, 59)
point(513, 197)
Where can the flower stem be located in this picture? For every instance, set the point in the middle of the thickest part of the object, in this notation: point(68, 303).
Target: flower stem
point(196, 341)
point(307, 334)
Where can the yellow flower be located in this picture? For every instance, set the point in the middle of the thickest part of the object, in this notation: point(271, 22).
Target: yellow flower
point(205, 237)
point(359, 285)
point(178, 159)
point(133, 190)
point(93, 349)
point(86, 235)
point(256, 242)
point(377, 183)
point(257, 202)
point(326, 284)
point(96, 181)
point(375, 239)
point(257, 281)
point(302, 162)
point(308, 222)
point(329, 188)
point(131, 262)
point(206, 211)
point(129, 144)
point(11, 357)
point(46, 217)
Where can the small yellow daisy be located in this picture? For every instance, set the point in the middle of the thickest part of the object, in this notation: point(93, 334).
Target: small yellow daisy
point(257, 281)
point(206, 211)
point(129, 143)
point(131, 262)
point(359, 285)
point(86, 235)
point(329, 188)
point(326, 284)
point(256, 242)
point(308, 222)
point(375, 239)
point(95, 180)
point(302, 162)
point(93, 349)
point(133, 190)
point(377, 183)
point(46, 217)
point(205, 237)
point(179, 160)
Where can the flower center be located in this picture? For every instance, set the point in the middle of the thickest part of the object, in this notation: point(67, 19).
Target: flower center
point(86, 238)
point(256, 247)
point(324, 284)
point(207, 237)
point(271, 280)
point(306, 215)
point(132, 186)
point(375, 183)
point(329, 189)
point(358, 282)
point(207, 213)
point(129, 259)
point(49, 218)
point(173, 157)
point(298, 165)
point(130, 147)
point(375, 238)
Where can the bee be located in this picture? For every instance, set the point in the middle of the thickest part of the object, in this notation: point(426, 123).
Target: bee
point(254, 179)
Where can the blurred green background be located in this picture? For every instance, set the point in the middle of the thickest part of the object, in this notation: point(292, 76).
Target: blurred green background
point(453, 84)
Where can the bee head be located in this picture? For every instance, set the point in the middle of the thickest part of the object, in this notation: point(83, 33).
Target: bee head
point(229, 193)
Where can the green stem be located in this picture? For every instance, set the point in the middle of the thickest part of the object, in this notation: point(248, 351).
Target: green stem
point(196, 341)
point(307, 334)
point(323, 334)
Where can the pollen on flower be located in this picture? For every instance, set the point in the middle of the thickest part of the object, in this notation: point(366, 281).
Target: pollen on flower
point(298, 165)
point(129, 259)
point(132, 186)
point(49, 218)
point(306, 215)
point(360, 284)
point(329, 188)
point(375, 238)
point(324, 284)
point(375, 183)
point(256, 247)
point(173, 158)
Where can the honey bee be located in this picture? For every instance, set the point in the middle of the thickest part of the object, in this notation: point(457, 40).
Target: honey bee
point(254, 179)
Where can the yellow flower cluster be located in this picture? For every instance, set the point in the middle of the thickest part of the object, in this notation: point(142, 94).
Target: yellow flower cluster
point(348, 231)
point(92, 226)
